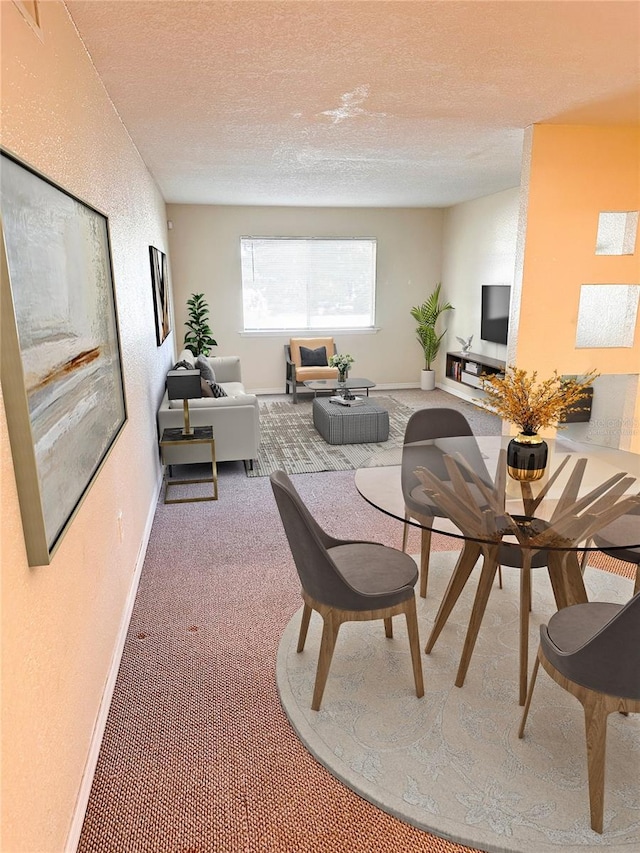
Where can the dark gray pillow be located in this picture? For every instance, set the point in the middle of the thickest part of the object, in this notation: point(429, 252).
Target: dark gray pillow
point(313, 357)
point(205, 387)
point(202, 364)
point(217, 390)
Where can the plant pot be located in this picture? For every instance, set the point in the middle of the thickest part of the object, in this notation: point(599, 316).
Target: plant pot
point(427, 380)
point(527, 457)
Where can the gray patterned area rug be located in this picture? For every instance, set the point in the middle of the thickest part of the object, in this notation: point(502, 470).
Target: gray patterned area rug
point(452, 762)
point(290, 442)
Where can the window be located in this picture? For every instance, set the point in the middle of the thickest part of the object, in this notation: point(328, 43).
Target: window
point(303, 283)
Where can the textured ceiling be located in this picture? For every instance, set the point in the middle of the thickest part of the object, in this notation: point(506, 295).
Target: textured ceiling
point(355, 103)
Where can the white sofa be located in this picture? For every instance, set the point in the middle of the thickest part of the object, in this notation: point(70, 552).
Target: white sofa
point(235, 418)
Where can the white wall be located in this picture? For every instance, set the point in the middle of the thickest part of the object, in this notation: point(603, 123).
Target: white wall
point(205, 257)
point(479, 247)
point(61, 623)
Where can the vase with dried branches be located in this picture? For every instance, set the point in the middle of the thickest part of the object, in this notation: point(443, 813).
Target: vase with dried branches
point(532, 405)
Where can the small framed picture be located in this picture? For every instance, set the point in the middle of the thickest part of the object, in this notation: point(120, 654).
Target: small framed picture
point(160, 286)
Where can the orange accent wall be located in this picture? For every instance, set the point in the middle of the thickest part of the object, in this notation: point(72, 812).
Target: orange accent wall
point(575, 173)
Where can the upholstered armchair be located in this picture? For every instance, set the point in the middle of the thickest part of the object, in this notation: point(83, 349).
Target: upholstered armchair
point(305, 361)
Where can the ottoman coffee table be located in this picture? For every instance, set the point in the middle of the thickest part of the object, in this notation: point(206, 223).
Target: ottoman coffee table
point(365, 423)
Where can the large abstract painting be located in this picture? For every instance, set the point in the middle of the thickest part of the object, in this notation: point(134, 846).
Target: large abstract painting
point(61, 365)
point(160, 287)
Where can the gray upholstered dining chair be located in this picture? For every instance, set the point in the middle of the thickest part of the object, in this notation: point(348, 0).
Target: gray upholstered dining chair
point(345, 581)
point(593, 651)
point(426, 425)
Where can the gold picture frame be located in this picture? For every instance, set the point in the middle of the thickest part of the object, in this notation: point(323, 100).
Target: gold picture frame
point(61, 368)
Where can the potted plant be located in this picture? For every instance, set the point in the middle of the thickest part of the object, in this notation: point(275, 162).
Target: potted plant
point(198, 339)
point(427, 316)
point(343, 362)
point(531, 405)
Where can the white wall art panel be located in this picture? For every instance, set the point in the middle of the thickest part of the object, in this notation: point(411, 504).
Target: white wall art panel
point(607, 315)
point(617, 232)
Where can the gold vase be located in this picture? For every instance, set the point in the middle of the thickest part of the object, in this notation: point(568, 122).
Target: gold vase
point(527, 457)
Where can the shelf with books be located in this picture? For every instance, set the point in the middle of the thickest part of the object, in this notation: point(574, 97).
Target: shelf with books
point(467, 367)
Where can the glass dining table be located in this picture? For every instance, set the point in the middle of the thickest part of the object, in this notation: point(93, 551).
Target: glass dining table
point(459, 487)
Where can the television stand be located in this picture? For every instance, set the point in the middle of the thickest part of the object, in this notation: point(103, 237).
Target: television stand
point(467, 367)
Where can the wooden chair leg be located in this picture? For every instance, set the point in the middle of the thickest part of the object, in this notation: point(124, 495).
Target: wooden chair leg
point(330, 629)
point(525, 607)
point(527, 704)
point(597, 707)
point(500, 577)
point(304, 627)
point(425, 549)
point(595, 720)
point(405, 533)
point(414, 645)
point(388, 628)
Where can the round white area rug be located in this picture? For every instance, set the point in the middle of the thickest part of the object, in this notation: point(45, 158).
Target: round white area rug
point(451, 762)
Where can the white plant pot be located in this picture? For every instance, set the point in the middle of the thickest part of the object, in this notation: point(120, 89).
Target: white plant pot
point(427, 380)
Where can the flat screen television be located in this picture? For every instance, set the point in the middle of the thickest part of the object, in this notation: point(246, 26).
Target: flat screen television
point(494, 324)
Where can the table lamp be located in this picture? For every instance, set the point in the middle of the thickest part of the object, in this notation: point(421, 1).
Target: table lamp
point(184, 385)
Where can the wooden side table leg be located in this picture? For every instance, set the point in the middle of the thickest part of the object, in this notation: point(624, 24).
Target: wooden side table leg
point(425, 550)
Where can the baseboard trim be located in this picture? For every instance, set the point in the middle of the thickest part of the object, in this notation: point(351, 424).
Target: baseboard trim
point(75, 830)
point(458, 392)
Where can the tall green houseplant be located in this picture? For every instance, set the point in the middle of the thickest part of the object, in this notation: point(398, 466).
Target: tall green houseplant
point(427, 316)
point(198, 339)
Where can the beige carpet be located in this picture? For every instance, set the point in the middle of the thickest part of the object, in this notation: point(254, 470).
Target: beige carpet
point(197, 755)
point(451, 763)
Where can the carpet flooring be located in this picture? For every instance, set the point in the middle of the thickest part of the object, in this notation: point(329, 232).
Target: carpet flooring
point(198, 754)
point(290, 442)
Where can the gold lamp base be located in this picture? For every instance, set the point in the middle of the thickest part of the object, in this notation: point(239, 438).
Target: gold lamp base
point(188, 429)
